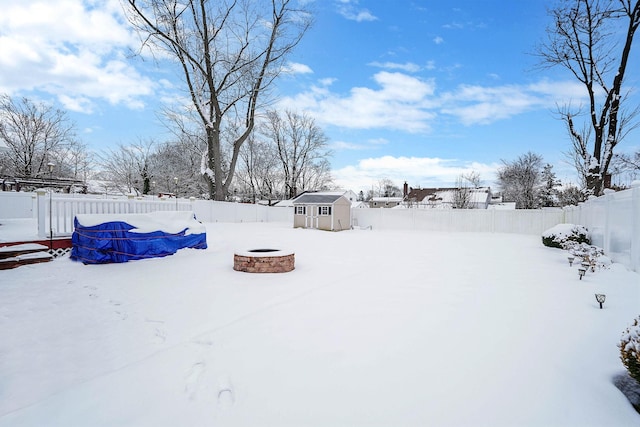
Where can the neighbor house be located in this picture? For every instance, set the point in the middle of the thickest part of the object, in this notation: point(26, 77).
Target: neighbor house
point(384, 202)
point(446, 198)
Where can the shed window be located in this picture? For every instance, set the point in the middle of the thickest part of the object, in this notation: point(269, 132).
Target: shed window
point(301, 210)
point(325, 210)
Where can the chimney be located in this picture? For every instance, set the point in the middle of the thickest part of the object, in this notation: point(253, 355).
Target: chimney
point(405, 189)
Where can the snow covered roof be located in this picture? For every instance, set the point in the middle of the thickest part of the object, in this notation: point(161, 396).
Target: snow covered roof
point(387, 199)
point(479, 195)
point(316, 198)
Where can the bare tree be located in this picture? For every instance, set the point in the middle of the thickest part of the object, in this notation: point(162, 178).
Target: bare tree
point(301, 146)
point(32, 133)
point(386, 188)
point(128, 166)
point(74, 159)
point(259, 172)
point(230, 52)
point(473, 178)
point(182, 159)
point(592, 39)
point(461, 194)
point(520, 180)
point(629, 162)
point(317, 176)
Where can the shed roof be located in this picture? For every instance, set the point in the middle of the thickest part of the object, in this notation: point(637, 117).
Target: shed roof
point(312, 198)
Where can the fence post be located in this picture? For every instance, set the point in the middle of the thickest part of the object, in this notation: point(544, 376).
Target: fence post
point(42, 213)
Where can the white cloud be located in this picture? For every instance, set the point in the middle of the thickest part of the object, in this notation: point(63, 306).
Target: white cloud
point(416, 171)
point(473, 104)
point(408, 103)
point(349, 9)
point(71, 49)
point(409, 67)
point(400, 102)
point(367, 145)
point(454, 26)
point(297, 68)
point(327, 81)
point(344, 145)
point(438, 40)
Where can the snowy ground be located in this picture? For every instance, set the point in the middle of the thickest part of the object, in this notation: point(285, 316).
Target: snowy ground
point(372, 328)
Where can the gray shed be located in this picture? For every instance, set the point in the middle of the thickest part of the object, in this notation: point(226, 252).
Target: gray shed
point(329, 212)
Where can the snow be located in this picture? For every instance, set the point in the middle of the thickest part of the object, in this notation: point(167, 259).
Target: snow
point(23, 247)
point(16, 230)
point(372, 328)
point(564, 231)
point(167, 221)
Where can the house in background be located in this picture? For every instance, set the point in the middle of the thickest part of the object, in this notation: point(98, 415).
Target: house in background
point(323, 211)
point(384, 202)
point(446, 198)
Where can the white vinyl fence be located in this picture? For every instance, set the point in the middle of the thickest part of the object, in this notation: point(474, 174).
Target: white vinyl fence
point(614, 223)
point(613, 219)
point(55, 212)
point(18, 205)
point(480, 220)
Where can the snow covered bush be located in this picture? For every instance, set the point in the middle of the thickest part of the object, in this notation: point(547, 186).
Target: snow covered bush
point(563, 235)
point(583, 250)
point(630, 349)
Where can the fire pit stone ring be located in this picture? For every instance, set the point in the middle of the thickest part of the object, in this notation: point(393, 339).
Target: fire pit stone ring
point(264, 260)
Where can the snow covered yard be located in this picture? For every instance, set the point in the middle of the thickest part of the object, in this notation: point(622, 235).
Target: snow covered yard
point(372, 328)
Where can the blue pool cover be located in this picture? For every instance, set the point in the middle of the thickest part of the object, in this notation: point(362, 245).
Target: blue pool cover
point(120, 241)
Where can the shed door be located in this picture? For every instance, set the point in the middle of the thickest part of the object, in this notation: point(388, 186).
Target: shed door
point(311, 217)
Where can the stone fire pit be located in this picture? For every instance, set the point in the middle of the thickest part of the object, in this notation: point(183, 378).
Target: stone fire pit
point(264, 261)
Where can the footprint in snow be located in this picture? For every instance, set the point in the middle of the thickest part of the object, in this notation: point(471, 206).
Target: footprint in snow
point(225, 392)
point(160, 336)
point(193, 380)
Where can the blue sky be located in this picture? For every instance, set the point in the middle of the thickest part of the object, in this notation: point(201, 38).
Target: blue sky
point(416, 91)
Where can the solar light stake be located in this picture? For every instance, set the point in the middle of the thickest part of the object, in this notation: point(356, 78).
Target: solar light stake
point(600, 298)
point(581, 272)
point(571, 258)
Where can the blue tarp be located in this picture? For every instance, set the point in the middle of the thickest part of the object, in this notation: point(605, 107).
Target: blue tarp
point(113, 242)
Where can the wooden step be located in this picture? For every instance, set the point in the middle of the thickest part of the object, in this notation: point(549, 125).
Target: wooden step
point(21, 249)
point(28, 253)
